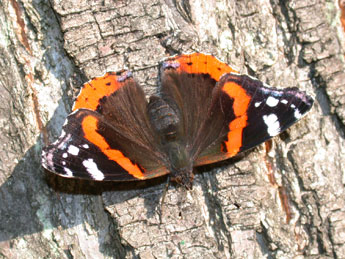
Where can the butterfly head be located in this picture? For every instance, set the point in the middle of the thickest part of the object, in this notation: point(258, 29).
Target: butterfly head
point(183, 177)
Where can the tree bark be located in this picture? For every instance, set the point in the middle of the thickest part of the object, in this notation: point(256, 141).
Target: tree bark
point(284, 199)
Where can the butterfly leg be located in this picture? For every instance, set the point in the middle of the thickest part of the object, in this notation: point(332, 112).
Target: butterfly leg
point(161, 204)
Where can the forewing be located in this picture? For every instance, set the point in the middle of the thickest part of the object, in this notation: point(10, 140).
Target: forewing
point(108, 136)
point(245, 113)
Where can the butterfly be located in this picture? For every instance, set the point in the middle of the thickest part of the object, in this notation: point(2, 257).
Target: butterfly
point(204, 112)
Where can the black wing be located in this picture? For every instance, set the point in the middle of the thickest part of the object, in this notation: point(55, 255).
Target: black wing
point(245, 113)
point(108, 136)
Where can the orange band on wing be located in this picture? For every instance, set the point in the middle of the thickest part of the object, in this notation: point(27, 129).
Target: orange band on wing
point(199, 63)
point(95, 90)
point(236, 126)
point(89, 125)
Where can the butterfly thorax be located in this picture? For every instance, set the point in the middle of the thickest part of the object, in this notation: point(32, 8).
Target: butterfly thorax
point(166, 122)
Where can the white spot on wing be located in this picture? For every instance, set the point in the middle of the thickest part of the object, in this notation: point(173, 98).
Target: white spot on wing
point(293, 106)
point(47, 161)
point(284, 101)
point(64, 140)
point(297, 114)
point(73, 150)
point(64, 155)
point(93, 170)
point(86, 146)
point(69, 173)
point(63, 134)
point(257, 104)
point(273, 127)
point(272, 102)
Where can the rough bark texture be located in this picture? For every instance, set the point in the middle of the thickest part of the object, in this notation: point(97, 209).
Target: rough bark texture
point(283, 202)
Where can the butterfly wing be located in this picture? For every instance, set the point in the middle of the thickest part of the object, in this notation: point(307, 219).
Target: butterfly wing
point(245, 113)
point(187, 82)
point(108, 136)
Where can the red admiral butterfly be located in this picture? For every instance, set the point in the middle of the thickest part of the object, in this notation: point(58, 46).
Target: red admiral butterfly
point(205, 112)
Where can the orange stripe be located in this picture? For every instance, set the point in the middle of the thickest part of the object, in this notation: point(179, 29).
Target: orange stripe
point(240, 106)
point(89, 125)
point(204, 64)
point(95, 90)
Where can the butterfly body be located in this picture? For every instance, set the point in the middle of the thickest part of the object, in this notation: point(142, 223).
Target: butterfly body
point(204, 112)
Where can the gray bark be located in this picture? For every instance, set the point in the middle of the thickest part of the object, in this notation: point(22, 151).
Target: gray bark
point(283, 202)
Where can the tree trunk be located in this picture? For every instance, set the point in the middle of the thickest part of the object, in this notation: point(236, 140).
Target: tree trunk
point(280, 201)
